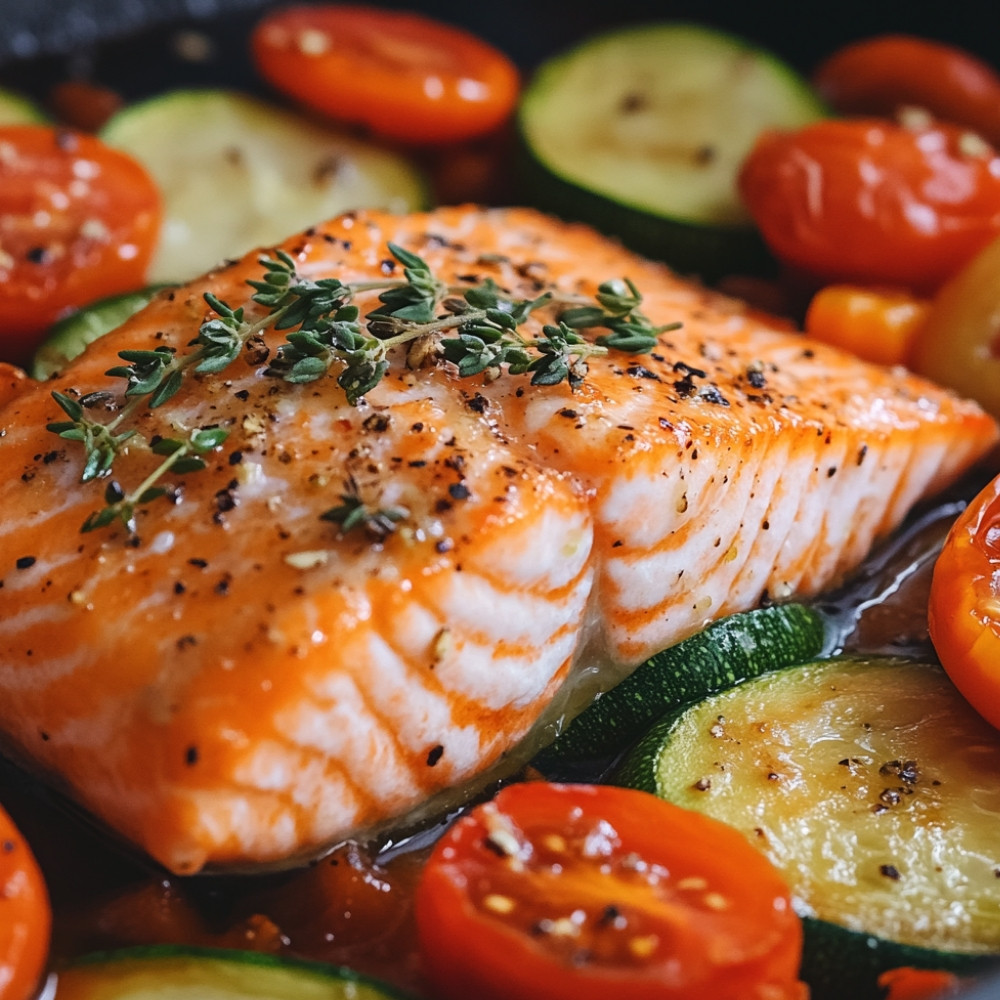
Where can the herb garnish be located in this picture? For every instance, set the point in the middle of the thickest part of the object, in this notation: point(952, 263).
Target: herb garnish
point(476, 328)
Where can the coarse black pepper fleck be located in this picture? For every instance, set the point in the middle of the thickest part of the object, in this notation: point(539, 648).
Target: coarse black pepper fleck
point(434, 755)
point(25, 562)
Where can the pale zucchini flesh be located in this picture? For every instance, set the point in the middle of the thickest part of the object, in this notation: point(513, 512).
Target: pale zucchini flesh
point(18, 110)
point(659, 117)
point(872, 785)
point(237, 173)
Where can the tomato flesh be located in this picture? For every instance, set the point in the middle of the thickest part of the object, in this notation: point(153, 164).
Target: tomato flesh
point(402, 75)
point(25, 917)
point(78, 222)
point(561, 891)
point(964, 608)
point(872, 202)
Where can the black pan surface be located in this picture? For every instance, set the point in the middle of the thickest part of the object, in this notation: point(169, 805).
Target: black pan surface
point(134, 46)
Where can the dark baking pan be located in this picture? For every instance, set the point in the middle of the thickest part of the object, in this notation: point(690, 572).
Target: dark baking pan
point(133, 46)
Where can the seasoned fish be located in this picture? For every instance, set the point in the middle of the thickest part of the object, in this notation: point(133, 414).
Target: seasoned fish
point(240, 681)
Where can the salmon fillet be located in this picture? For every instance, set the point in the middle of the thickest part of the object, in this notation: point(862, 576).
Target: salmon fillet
point(242, 682)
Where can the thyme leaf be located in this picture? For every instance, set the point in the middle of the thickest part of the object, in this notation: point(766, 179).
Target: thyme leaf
point(477, 328)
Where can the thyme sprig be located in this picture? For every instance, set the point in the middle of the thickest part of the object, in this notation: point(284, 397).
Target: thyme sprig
point(477, 328)
point(353, 512)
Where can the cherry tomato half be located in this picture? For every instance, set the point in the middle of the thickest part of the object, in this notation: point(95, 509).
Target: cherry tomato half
point(403, 75)
point(883, 75)
point(78, 222)
point(580, 892)
point(25, 918)
point(964, 606)
point(872, 202)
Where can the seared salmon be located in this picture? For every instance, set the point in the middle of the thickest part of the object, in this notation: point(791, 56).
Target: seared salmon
point(240, 681)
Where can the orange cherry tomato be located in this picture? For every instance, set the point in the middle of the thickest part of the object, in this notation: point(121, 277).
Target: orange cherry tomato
point(964, 606)
point(78, 222)
point(872, 202)
point(907, 983)
point(580, 892)
point(879, 325)
point(403, 75)
point(882, 75)
point(25, 918)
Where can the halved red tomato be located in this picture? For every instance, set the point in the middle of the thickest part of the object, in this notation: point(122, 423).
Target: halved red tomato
point(25, 918)
point(964, 608)
point(78, 222)
point(404, 76)
point(580, 892)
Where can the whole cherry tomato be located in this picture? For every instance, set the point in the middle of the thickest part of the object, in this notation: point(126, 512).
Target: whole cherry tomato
point(885, 74)
point(872, 202)
point(580, 892)
point(404, 76)
point(907, 983)
point(25, 918)
point(78, 221)
point(964, 607)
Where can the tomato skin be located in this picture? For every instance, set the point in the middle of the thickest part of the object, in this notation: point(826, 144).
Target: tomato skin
point(964, 606)
point(402, 75)
point(882, 75)
point(871, 202)
point(613, 892)
point(25, 916)
point(878, 325)
point(78, 221)
point(907, 983)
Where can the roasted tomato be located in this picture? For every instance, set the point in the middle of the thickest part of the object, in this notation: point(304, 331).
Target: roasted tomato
point(25, 918)
point(964, 608)
point(582, 891)
point(906, 983)
point(879, 325)
point(872, 202)
point(78, 221)
point(890, 73)
point(404, 76)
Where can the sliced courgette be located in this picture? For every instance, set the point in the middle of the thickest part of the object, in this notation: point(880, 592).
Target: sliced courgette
point(726, 652)
point(167, 972)
point(641, 132)
point(874, 787)
point(70, 336)
point(18, 110)
point(237, 173)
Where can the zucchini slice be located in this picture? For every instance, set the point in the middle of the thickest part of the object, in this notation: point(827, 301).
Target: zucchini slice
point(237, 173)
point(168, 972)
point(70, 336)
point(726, 652)
point(18, 110)
point(641, 132)
point(874, 787)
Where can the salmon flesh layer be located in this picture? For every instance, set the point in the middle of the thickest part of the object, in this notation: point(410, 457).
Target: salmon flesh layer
point(238, 681)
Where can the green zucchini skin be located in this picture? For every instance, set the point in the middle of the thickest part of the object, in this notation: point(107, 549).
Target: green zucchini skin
point(641, 131)
point(175, 972)
point(726, 652)
point(960, 758)
point(839, 963)
point(70, 336)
